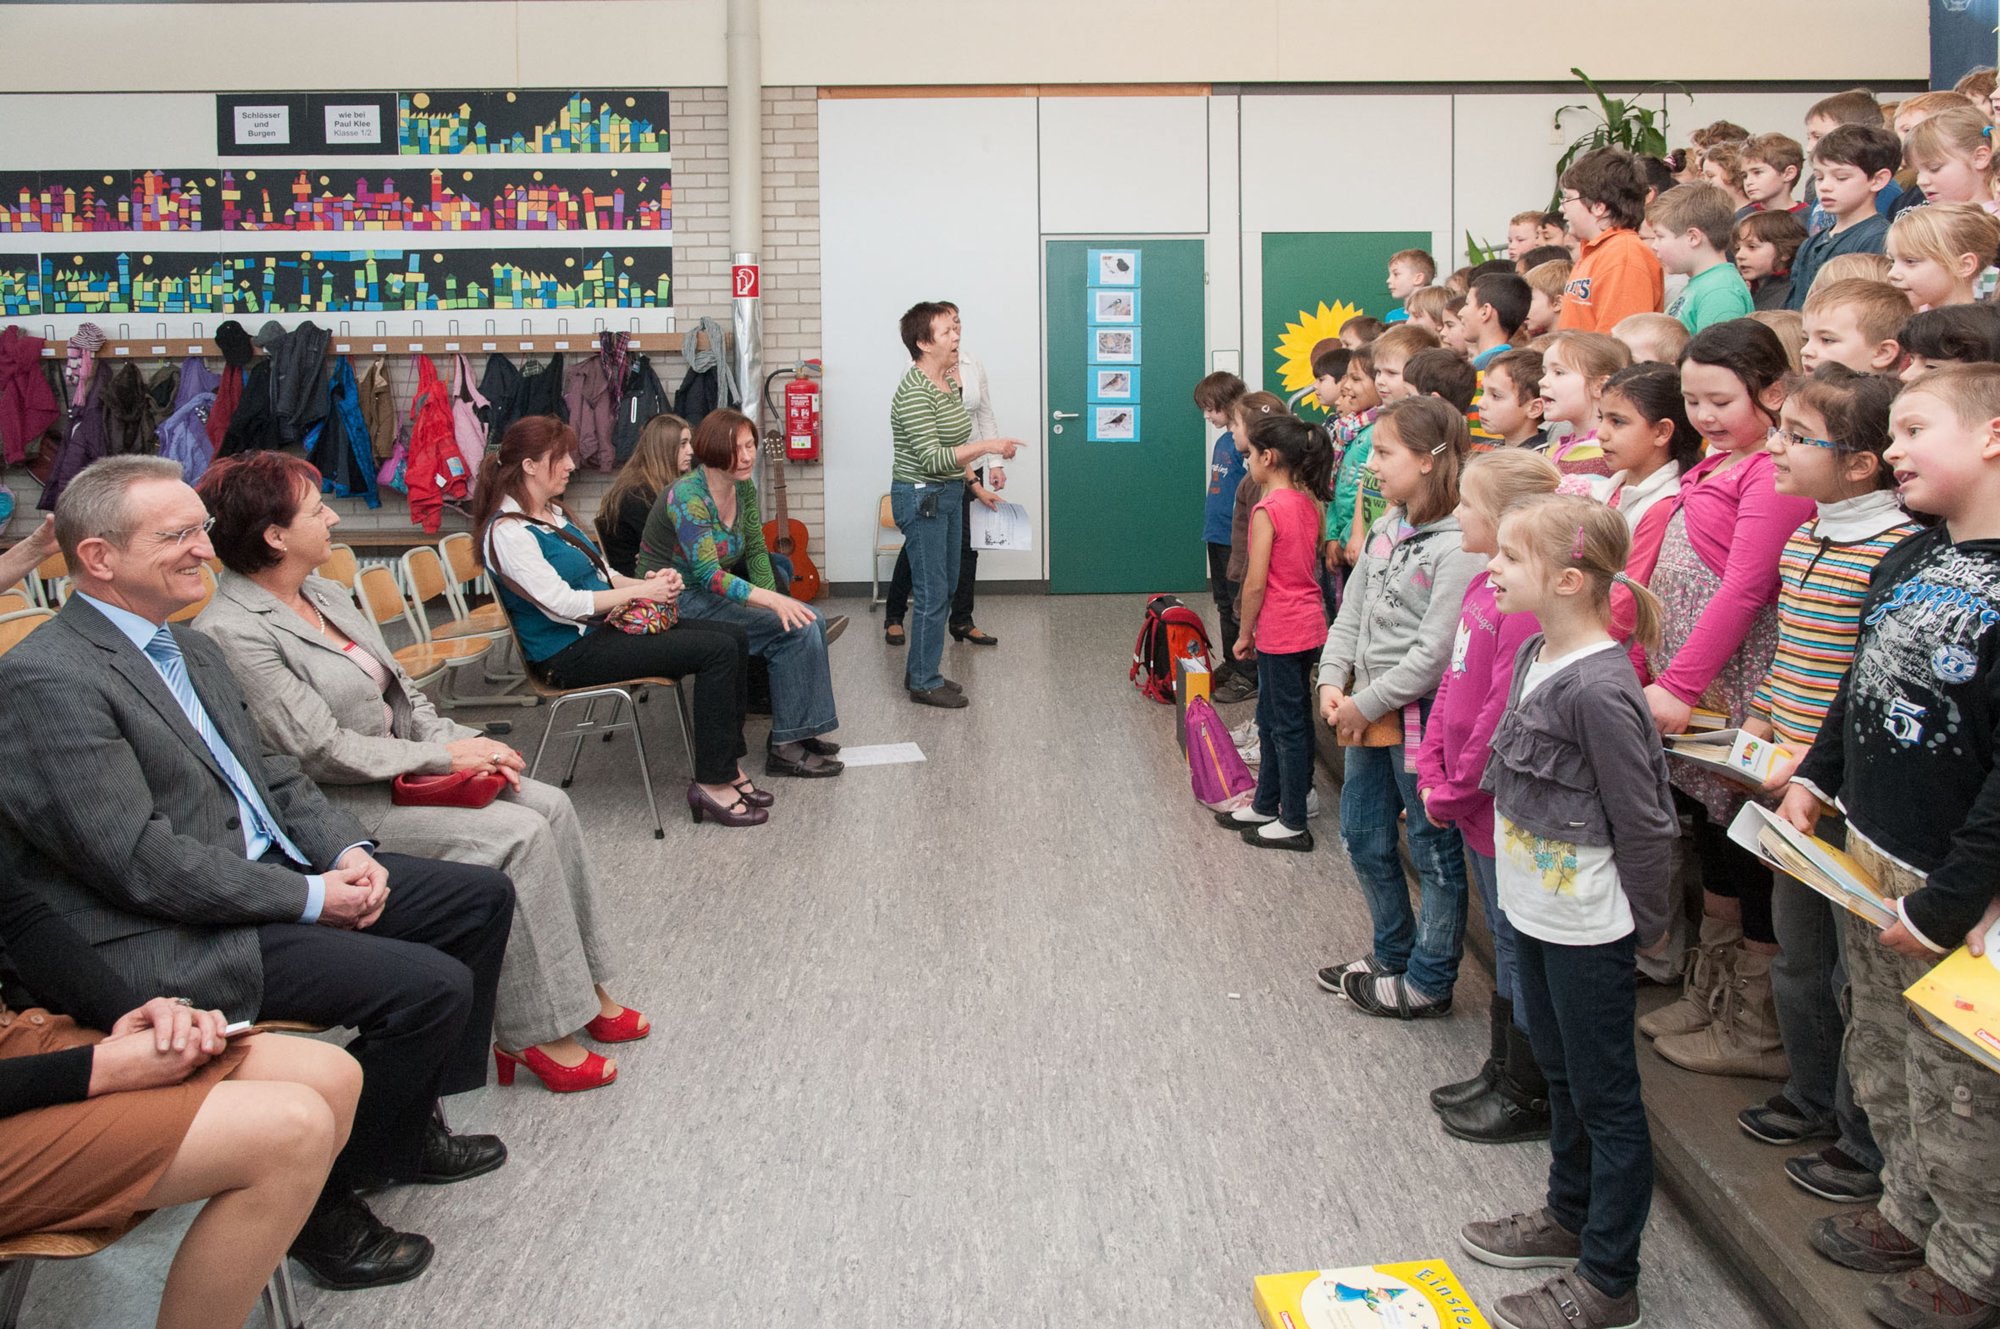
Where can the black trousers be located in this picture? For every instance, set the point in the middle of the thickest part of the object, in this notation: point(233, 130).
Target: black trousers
point(717, 654)
point(1224, 591)
point(419, 985)
point(961, 594)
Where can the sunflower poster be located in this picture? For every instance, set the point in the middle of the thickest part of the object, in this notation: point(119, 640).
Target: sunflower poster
point(1314, 281)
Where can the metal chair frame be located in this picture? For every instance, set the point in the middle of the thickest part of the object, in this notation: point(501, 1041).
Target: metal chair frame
point(884, 521)
point(20, 1255)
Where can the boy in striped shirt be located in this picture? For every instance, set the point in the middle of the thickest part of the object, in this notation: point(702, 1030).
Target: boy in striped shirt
point(1829, 449)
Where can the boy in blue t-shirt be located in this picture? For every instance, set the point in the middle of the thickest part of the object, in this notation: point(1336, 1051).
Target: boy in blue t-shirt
point(1217, 396)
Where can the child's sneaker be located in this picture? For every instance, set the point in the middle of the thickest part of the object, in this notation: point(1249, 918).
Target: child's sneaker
point(1567, 1301)
point(1865, 1241)
point(1920, 1299)
point(1237, 688)
point(1834, 1174)
point(1522, 1241)
point(1779, 1121)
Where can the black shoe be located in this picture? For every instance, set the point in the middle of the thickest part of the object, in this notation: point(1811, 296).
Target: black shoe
point(1834, 1174)
point(1360, 991)
point(1460, 1092)
point(974, 635)
point(893, 634)
point(820, 747)
point(1501, 1117)
point(807, 766)
point(448, 1158)
point(1777, 1121)
point(1237, 688)
point(1300, 842)
point(345, 1247)
point(945, 698)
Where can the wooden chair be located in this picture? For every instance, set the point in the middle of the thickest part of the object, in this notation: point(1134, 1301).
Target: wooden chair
point(17, 625)
point(188, 614)
point(885, 520)
point(425, 581)
point(18, 1256)
point(426, 662)
point(13, 602)
point(342, 566)
point(50, 584)
point(462, 570)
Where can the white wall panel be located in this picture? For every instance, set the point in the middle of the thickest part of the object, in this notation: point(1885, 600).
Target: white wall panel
point(962, 228)
point(1124, 164)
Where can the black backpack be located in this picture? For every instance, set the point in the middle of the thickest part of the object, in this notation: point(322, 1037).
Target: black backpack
point(643, 398)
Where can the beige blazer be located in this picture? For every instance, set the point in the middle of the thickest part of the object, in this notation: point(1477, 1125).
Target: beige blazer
point(313, 702)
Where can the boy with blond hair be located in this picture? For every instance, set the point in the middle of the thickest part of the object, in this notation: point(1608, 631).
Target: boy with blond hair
point(1854, 323)
point(1546, 284)
point(1410, 270)
point(1692, 225)
point(1655, 337)
point(1522, 230)
point(1604, 198)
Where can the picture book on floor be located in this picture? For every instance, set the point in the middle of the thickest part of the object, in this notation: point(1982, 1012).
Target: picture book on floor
point(1417, 1294)
point(1959, 1001)
point(1811, 860)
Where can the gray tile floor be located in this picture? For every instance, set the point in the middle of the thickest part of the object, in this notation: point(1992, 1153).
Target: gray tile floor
point(1013, 1037)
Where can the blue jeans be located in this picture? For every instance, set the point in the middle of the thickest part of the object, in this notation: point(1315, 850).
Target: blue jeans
point(1486, 878)
point(1284, 735)
point(1809, 985)
point(801, 686)
point(1424, 948)
point(931, 518)
point(1580, 1010)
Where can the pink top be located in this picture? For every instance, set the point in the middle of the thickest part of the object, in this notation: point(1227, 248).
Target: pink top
point(377, 673)
point(1458, 736)
point(1738, 525)
point(1293, 616)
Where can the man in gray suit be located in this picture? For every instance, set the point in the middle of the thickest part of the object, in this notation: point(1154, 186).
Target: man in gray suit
point(138, 802)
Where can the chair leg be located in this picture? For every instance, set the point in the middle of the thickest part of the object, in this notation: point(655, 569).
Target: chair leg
point(685, 710)
point(13, 1290)
point(645, 767)
point(576, 748)
point(281, 1307)
point(555, 713)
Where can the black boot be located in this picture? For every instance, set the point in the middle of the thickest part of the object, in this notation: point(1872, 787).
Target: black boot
point(1462, 1092)
point(345, 1247)
point(1518, 1107)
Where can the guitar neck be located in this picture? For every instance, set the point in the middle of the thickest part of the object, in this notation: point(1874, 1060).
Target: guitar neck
point(776, 457)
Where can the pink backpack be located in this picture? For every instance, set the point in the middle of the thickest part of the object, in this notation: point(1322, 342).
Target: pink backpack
point(1221, 780)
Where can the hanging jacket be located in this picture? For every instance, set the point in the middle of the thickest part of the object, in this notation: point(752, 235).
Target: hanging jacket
point(699, 393)
point(344, 456)
point(85, 443)
point(501, 386)
point(468, 415)
point(591, 397)
point(512, 393)
point(27, 407)
point(43, 453)
point(542, 389)
point(252, 426)
point(299, 397)
point(237, 353)
point(378, 408)
point(128, 414)
point(163, 388)
point(644, 397)
point(183, 435)
point(436, 469)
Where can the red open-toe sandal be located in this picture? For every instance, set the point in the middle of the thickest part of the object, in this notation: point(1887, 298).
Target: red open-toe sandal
point(628, 1027)
point(593, 1072)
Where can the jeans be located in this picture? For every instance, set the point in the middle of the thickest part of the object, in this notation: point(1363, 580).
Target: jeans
point(1580, 1010)
point(1424, 947)
point(1505, 980)
point(1284, 735)
point(1224, 592)
point(1809, 984)
point(801, 686)
point(898, 604)
point(932, 520)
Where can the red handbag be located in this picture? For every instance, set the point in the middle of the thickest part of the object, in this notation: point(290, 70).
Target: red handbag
point(455, 789)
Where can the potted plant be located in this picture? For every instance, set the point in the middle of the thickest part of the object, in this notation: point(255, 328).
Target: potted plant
point(1622, 122)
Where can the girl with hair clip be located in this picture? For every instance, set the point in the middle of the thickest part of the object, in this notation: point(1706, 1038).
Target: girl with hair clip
point(1575, 367)
point(1284, 623)
point(1507, 1099)
point(1952, 152)
point(1644, 431)
point(1711, 555)
point(1384, 656)
point(1937, 252)
point(1584, 828)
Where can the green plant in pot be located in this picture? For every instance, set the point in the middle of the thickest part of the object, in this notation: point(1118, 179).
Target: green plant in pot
point(1621, 122)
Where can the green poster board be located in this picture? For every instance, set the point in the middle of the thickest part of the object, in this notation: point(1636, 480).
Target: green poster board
point(1313, 282)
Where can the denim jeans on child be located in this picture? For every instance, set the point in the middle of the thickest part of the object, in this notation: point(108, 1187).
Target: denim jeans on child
point(1424, 946)
point(1581, 1006)
point(1809, 984)
point(1284, 735)
point(1485, 876)
point(931, 517)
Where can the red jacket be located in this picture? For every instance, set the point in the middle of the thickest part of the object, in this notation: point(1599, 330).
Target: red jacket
point(27, 403)
point(436, 468)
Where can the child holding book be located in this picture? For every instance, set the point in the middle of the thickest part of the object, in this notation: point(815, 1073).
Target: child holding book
point(1907, 751)
point(1574, 370)
point(1216, 396)
point(1284, 623)
point(1584, 829)
point(1828, 447)
point(1384, 655)
point(1711, 555)
point(1508, 1099)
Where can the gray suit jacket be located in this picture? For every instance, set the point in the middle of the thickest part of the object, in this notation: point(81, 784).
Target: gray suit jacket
point(114, 811)
point(311, 701)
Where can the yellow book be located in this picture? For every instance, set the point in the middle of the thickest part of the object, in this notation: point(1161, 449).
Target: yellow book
point(1959, 1001)
point(1418, 1294)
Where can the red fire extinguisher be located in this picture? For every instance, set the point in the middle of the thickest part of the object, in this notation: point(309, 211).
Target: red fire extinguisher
point(802, 413)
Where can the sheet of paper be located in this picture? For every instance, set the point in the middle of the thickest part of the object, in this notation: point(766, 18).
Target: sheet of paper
point(1004, 527)
point(882, 754)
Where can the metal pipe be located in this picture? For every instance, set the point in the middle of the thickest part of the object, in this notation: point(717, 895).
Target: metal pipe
point(743, 37)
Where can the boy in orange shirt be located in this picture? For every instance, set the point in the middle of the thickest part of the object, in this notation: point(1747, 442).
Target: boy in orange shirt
point(1616, 275)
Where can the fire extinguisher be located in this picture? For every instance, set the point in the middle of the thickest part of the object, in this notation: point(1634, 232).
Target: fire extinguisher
point(802, 413)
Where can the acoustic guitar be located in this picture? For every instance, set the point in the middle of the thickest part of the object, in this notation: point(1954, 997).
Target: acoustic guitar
point(784, 535)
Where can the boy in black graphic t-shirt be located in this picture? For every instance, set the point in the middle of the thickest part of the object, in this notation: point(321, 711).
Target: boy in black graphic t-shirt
point(1909, 753)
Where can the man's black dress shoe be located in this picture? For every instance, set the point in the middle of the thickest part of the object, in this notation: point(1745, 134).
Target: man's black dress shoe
point(345, 1247)
point(449, 1157)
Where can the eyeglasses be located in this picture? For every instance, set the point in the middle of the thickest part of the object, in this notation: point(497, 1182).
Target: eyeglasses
point(1785, 438)
point(178, 539)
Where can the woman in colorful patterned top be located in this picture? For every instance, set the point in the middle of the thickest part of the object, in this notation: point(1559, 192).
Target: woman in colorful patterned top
point(932, 436)
point(707, 525)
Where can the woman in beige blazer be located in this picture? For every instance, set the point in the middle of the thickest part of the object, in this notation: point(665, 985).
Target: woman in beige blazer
point(325, 688)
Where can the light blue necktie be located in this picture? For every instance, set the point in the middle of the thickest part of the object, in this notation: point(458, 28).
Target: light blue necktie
point(260, 828)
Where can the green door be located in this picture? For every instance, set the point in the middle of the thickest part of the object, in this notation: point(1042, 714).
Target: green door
point(1126, 444)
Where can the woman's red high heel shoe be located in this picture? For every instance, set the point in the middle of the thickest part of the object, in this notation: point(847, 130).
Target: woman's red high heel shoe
point(593, 1072)
point(627, 1027)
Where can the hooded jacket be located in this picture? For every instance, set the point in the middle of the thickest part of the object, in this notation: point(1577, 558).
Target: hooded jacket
point(27, 405)
point(343, 455)
point(299, 400)
point(1390, 643)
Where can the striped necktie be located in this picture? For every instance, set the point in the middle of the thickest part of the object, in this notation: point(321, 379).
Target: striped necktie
point(260, 828)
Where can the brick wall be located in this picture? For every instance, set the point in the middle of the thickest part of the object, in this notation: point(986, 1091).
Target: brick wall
point(791, 282)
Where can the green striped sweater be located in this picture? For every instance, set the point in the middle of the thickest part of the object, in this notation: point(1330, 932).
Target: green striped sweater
point(926, 427)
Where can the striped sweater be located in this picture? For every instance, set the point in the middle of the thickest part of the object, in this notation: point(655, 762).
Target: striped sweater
point(1823, 580)
point(925, 428)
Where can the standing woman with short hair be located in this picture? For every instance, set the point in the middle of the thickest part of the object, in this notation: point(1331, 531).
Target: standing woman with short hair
point(932, 436)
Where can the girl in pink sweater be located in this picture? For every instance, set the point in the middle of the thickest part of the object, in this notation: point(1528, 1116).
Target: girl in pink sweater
point(1508, 1098)
point(1716, 572)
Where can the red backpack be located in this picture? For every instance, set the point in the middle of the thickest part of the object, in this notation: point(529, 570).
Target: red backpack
point(1171, 632)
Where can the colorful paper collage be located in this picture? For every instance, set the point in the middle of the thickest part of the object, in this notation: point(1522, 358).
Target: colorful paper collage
point(448, 123)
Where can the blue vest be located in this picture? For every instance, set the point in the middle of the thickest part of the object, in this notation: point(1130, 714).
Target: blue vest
point(541, 636)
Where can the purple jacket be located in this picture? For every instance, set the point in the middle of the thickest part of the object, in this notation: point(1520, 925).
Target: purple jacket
point(1458, 736)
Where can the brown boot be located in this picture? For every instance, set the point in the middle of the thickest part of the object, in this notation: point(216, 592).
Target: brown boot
point(1707, 974)
point(1743, 1038)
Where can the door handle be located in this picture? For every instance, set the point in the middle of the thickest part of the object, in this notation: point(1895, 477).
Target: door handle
point(1065, 415)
